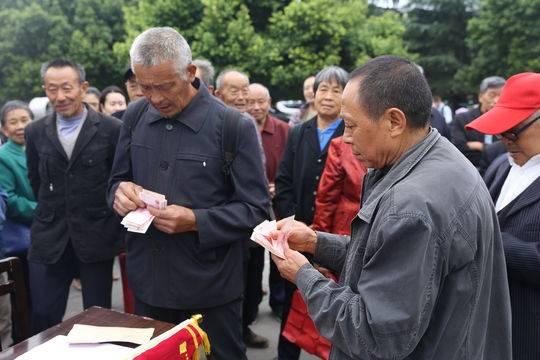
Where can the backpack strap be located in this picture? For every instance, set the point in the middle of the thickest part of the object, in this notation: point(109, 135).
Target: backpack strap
point(141, 109)
point(229, 138)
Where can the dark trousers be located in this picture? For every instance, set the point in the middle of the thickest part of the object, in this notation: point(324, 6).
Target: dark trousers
point(276, 284)
point(286, 349)
point(253, 271)
point(221, 323)
point(49, 287)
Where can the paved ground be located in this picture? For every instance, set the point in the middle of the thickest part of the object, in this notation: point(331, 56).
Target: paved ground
point(266, 324)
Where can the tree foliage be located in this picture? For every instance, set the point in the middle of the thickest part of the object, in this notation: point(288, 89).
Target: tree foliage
point(504, 39)
point(306, 36)
point(436, 30)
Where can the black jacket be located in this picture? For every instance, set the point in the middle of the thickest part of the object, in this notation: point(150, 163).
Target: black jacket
point(520, 229)
point(182, 158)
point(300, 171)
point(71, 194)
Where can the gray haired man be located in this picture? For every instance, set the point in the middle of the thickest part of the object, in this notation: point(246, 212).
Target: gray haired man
point(190, 259)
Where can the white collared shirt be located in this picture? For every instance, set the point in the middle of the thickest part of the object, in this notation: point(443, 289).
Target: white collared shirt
point(519, 178)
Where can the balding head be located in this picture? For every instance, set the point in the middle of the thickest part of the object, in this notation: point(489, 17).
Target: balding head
point(232, 89)
point(259, 102)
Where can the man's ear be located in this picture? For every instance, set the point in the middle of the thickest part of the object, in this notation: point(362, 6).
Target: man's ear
point(84, 86)
point(396, 121)
point(191, 70)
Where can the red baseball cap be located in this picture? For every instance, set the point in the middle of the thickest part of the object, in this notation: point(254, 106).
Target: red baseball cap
point(520, 98)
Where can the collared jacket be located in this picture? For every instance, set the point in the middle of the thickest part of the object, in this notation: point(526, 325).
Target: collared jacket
point(274, 137)
point(71, 193)
point(422, 275)
point(300, 171)
point(520, 228)
point(338, 196)
point(182, 158)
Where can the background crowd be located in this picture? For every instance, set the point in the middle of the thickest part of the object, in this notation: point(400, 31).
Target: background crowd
point(61, 175)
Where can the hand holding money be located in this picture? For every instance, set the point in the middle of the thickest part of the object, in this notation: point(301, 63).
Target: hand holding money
point(126, 198)
point(140, 219)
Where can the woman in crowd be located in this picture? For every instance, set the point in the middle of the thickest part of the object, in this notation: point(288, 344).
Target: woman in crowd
point(92, 98)
point(14, 116)
point(112, 100)
point(338, 196)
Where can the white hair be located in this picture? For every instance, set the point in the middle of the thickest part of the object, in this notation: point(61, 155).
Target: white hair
point(221, 76)
point(158, 45)
point(262, 87)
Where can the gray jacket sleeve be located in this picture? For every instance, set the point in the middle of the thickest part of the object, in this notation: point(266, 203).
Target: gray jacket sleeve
point(331, 250)
point(385, 313)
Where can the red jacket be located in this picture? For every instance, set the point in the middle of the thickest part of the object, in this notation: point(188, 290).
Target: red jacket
point(340, 189)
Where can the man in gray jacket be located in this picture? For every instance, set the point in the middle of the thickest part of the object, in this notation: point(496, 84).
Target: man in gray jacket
point(423, 274)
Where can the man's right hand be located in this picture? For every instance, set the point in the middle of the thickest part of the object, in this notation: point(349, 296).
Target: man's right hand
point(126, 198)
point(300, 237)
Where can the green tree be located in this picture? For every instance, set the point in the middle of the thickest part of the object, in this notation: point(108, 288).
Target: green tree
point(305, 37)
point(436, 31)
point(227, 38)
point(29, 37)
point(183, 15)
point(503, 39)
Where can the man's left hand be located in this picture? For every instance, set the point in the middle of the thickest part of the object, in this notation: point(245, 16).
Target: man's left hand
point(174, 219)
point(289, 266)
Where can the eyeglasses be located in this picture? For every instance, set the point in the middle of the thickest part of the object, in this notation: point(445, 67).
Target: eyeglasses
point(513, 135)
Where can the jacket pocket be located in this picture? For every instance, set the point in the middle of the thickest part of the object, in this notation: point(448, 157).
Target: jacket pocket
point(99, 212)
point(44, 214)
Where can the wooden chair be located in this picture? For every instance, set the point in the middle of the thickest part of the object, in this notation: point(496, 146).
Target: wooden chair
point(16, 287)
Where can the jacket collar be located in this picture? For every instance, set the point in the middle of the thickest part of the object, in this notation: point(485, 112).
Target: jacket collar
point(313, 137)
point(395, 174)
point(269, 125)
point(530, 195)
point(191, 115)
point(88, 130)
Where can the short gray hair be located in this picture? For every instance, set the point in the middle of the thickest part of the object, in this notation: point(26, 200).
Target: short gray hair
point(219, 80)
point(14, 105)
point(491, 82)
point(61, 63)
point(206, 70)
point(329, 74)
point(158, 45)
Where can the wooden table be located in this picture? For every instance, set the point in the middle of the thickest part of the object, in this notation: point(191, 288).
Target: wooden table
point(94, 316)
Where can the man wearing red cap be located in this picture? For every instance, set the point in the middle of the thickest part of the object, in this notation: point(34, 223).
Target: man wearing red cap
point(514, 183)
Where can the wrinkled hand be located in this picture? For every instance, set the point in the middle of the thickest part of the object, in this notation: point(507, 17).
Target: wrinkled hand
point(300, 237)
point(289, 266)
point(126, 198)
point(173, 219)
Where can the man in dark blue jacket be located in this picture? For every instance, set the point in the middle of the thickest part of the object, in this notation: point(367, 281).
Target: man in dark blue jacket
point(190, 260)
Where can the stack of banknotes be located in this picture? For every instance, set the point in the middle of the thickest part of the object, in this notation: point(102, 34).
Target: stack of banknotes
point(262, 235)
point(140, 219)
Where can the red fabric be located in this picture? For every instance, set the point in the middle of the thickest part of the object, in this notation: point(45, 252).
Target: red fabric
point(300, 329)
point(171, 348)
point(340, 189)
point(129, 300)
point(274, 137)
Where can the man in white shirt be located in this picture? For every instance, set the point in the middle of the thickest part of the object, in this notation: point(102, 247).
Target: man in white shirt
point(514, 183)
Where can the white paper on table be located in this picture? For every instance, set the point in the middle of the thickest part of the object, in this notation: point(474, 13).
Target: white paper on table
point(88, 334)
point(58, 348)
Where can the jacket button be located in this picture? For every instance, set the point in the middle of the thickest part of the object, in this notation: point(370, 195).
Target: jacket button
point(319, 160)
point(163, 165)
point(314, 193)
point(169, 127)
point(317, 177)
